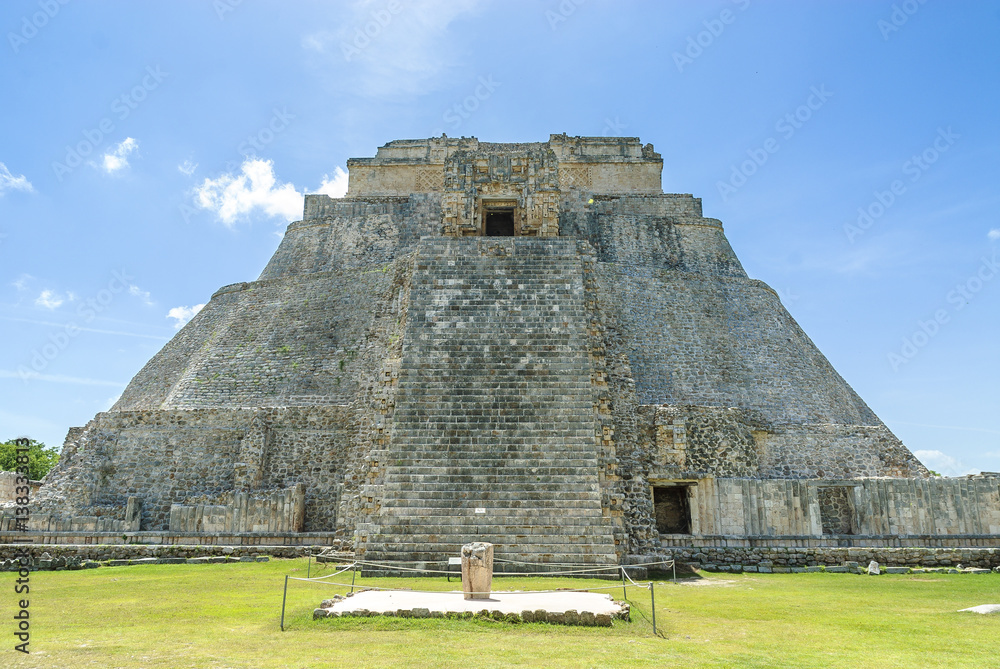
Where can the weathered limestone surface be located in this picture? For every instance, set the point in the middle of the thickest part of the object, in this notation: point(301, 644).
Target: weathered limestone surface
point(477, 570)
point(275, 512)
point(771, 558)
point(870, 507)
point(393, 370)
point(9, 486)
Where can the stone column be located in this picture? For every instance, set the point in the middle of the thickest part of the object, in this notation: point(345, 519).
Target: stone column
point(477, 570)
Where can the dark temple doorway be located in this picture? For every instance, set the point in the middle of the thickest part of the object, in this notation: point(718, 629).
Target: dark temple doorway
point(499, 222)
point(673, 515)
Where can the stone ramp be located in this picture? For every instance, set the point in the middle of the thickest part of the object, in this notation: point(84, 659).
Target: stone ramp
point(494, 426)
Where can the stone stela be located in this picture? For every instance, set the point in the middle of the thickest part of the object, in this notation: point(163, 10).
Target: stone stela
point(526, 343)
point(477, 570)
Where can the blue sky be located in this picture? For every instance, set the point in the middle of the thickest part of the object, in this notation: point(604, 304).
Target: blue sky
point(151, 153)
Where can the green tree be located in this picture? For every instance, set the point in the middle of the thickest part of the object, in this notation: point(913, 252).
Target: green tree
point(40, 458)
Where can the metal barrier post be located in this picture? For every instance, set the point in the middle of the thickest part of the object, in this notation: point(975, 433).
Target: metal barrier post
point(309, 567)
point(673, 567)
point(354, 573)
point(283, 597)
point(652, 600)
point(624, 593)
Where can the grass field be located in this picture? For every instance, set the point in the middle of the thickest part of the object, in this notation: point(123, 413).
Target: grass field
point(227, 616)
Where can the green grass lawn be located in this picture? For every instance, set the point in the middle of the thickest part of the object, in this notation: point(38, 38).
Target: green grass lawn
point(227, 616)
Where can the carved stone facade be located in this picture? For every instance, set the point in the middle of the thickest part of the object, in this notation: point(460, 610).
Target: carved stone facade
point(526, 180)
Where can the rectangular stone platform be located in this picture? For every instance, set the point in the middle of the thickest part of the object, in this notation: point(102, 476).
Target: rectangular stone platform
point(569, 608)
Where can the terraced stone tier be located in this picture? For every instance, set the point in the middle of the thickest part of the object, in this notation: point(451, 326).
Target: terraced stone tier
point(494, 426)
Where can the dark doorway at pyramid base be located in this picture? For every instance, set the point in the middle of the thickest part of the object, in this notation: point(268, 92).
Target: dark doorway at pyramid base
point(500, 223)
point(673, 513)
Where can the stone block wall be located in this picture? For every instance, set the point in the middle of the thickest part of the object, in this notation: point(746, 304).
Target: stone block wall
point(724, 341)
point(294, 341)
point(835, 451)
point(864, 507)
point(354, 233)
point(167, 457)
point(9, 485)
point(835, 510)
point(276, 511)
point(774, 558)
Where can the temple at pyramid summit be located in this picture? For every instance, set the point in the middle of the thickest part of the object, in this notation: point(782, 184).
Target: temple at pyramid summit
point(528, 344)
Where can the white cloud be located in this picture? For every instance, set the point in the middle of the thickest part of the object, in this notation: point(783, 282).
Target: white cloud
point(944, 463)
point(143, 295)
point(117, 158)
point(377, 53)
point(51, 300)
point(334, 185)
point(256, 187)
point(183, 314)
point(994, 234)
point(10, 182)
point(187, 168)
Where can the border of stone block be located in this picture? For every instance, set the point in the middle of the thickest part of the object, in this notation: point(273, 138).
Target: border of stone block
point(571, 617)
point(48, 563)
point(765, 558)
point(58, 557)
point(849, 567)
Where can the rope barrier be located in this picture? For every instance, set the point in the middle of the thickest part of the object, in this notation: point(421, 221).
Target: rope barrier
point(564, 572)
point(625, 571)
point(320, 578)
point(394, 564)
point(488, 592)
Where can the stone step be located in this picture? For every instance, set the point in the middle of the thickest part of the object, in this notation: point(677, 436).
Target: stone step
point(506, 481)
point(524, 496)
point(541, 552)
point(484, 465)
point(568, 543)
point(456, 446)
point(413, 433)
point(584, 543)
point(495, 410)
point(506, 513)
point(421, 467)
point(470, 485)
point(535, 423)
point(471, 524)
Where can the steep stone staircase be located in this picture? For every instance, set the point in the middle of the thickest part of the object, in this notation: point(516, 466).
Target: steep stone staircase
point(494, 427)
